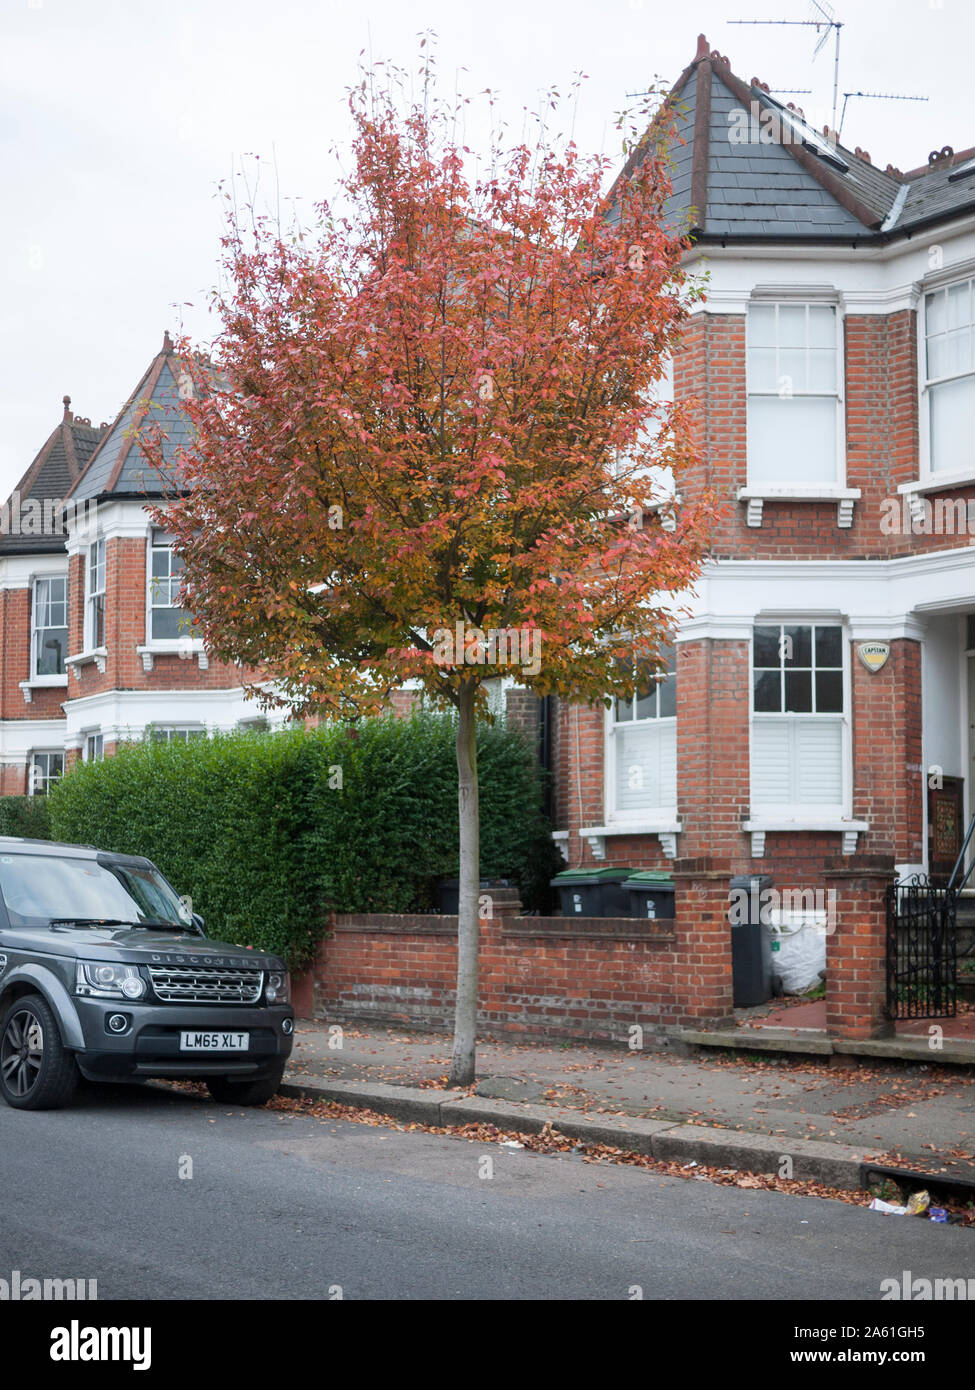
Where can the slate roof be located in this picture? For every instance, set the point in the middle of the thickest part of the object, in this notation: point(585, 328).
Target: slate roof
point(119, 467)
point(730, 184)
point(50, 478)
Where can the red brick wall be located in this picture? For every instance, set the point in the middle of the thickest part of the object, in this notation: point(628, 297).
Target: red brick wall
point(13, 780)
point(125, 630)
point(882, 424)
point(889, 779)
point(579, 983)
point(522, 711)
point(856, 954)
point(712, 747)
point(15, 621)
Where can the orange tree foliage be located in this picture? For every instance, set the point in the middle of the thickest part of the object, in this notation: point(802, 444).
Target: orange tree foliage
point(437, 408)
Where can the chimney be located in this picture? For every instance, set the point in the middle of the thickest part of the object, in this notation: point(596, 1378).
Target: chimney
point(702, 47)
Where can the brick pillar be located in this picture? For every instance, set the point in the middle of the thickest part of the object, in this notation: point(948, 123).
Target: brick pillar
point(703, 985)
point(856, 950)
point(580, 775)
point(713, 799)
point(303, 993)
point(889, 778)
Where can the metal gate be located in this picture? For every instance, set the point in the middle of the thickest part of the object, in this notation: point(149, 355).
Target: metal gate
point(922, 951)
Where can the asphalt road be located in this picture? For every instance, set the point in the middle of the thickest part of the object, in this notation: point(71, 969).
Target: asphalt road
point(289, 1207)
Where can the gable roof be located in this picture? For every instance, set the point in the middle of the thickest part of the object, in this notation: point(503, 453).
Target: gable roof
point(119, 467)
point(747, 167)
point(50, 478)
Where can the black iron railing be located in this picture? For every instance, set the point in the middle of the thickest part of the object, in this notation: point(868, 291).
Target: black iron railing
point(922, 950)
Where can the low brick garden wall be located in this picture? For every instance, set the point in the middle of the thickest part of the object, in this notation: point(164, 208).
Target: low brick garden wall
point(553, 977)
point(595, 977)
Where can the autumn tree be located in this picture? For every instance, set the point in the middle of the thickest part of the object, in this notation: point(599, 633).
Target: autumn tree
point(432, 448)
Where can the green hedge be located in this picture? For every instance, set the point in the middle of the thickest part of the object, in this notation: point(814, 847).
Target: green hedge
point(25, 816)
point(265, 830)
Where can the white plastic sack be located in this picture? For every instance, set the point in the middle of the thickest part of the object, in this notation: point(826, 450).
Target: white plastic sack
point(798, 949)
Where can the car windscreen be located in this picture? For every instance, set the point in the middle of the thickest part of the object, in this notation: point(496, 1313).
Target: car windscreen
point(39, 887)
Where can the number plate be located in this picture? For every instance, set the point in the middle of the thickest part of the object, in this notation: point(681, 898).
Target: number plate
point(214, 1042)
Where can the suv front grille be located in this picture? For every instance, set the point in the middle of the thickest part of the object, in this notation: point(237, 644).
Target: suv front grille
point(205, 984)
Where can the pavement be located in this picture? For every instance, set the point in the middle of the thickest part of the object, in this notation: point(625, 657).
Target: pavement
point(161, 1193)
point(839, 1125)
point(802, 1017)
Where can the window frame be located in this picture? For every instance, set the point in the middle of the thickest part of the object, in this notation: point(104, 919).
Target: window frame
point(927, 472)
point(185, 732)
point(91, 594)
point(164, 644)
point(93, 736)
point(804, 811)
point(48, 678)
point(611, 725)
point(35, 753)
point(785, 484)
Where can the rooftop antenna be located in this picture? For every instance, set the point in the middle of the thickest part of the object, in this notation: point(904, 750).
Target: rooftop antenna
point(827, 22)
point(874, 96)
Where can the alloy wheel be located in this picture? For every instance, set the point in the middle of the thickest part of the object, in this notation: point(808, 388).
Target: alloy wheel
point(22, 1052)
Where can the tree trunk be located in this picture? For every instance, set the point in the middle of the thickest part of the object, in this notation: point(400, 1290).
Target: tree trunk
point(462, 1062)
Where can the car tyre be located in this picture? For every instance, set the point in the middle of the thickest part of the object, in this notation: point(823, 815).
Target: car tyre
point(256, 1092)
point(36, 1072)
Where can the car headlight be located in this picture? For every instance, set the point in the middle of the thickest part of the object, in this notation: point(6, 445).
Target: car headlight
point(102, 980)
point(278, 988)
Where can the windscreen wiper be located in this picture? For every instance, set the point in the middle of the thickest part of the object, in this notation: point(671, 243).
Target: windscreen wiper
point(164, 926)
point(90, 922)
point(116, 922)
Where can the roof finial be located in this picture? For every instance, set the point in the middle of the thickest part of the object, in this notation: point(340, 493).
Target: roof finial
point(167, 342)
point(67, 407)
point(703, 48)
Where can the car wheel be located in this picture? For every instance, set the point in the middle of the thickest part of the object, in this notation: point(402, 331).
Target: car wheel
point(36, 1073)
point(256, 1092)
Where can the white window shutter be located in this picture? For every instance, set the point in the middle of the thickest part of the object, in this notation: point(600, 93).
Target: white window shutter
point(797, 762)
point(646, 766)
point(818, 761)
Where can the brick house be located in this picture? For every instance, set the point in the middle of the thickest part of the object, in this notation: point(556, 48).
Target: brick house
point(817, 719)
point(94, 645)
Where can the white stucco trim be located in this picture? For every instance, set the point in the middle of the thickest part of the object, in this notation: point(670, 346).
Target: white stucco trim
point(20, 737)
point(20, 571)
point(126, 714)
point(116, 520)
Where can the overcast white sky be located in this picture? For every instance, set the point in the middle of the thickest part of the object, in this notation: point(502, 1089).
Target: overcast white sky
point(118, 118)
